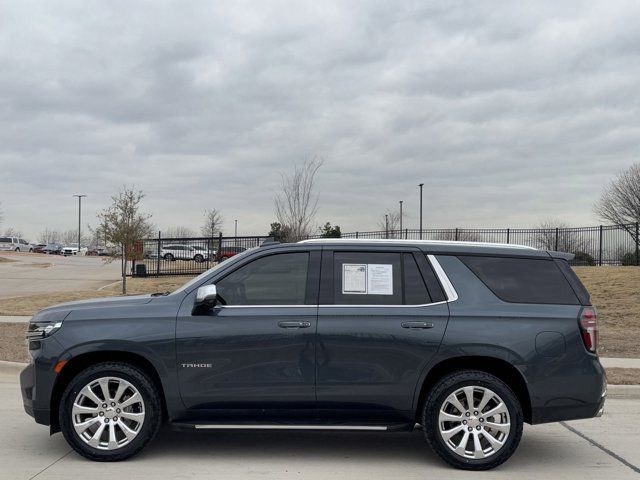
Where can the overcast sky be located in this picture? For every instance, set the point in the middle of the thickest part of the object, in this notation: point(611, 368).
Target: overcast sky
point(508, 113)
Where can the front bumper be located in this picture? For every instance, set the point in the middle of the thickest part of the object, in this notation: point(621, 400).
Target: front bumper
point(28, 390)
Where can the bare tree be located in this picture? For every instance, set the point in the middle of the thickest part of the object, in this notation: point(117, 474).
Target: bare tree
point(459, 235)
point(212, 223)
point(125, 226)
point(620, 200)
point(178, 232)
point(554, 234)
point(296, 204)
point(69, 237)
point(390, 223)
point(12, 232)
point(49, 236)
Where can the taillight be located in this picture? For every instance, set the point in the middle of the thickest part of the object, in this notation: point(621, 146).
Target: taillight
point(589, 328)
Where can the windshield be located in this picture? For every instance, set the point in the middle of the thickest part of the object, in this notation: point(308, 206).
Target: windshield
point(202, 276)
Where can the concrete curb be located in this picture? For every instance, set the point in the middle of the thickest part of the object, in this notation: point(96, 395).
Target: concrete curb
point(11, 368)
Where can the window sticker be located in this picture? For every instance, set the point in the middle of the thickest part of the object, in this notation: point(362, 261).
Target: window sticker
point(354, 278)
point(379, 279)
point(367, 279)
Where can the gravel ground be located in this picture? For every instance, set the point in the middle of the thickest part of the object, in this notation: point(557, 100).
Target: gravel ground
point(12, 343)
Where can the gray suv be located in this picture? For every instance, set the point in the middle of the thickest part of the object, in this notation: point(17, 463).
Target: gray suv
point(464, 340)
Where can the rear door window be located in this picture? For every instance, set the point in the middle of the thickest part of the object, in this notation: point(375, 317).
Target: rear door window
point(522, 280)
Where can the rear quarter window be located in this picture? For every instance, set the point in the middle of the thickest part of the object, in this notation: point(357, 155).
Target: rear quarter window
point(522, 280)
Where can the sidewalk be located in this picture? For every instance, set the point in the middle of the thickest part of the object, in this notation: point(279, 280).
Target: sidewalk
point(14, 319)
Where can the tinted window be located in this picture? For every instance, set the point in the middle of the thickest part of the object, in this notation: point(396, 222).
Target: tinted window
point(370, 278)
point(522, 280)
point(23, 242)
point(415, 290)
point(5, 240)
point(273, 280)
point(576, 284)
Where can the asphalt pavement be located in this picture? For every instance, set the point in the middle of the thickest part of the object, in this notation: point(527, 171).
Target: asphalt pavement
point(604, 448)
point(31, 274)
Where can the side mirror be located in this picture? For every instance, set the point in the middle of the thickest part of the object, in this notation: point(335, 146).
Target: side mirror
point(206, 297)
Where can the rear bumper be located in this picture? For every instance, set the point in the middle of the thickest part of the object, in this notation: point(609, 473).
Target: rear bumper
point(579, 392)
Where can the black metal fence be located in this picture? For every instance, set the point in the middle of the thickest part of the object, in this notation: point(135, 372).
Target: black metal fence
point(600, 245)
point(189, 256)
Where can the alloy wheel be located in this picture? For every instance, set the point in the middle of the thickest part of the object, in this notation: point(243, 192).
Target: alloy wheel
point(474, 422)
point(108, 413)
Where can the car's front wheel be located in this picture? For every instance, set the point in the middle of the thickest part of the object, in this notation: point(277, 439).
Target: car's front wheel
point(473, 420)
point(110, 411)
point(169, 258)
point(198, 258)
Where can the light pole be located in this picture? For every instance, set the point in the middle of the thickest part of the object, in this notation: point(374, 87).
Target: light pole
point(421, 185)
point(400, 218)
point(79, 218)
point(386, 225)
point(236, 229)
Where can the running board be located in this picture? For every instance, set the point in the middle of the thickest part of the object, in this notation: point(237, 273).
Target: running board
point(288, 427)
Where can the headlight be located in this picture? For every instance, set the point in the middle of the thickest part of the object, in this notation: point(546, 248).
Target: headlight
point(45, 324)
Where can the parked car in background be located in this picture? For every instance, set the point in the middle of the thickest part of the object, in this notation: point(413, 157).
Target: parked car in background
point(39, 248)
point(15, 244)
point(206, 253)
point(182, 252)
point(72, 249)
point(52, 249)
point(228, 252)
point(98, 252)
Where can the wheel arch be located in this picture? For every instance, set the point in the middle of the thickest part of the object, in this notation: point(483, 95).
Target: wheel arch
point(80, 362)
point(501, 369)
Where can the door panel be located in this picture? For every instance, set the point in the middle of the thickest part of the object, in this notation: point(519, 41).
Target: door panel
point(368, 360)
point(371, 349)
point(244, 353)
point(250, 361)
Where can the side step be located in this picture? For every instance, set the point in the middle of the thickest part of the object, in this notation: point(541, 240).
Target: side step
point(292, 426)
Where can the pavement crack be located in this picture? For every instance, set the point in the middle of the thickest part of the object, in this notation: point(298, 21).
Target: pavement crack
point(601, 447)
point(50, 465)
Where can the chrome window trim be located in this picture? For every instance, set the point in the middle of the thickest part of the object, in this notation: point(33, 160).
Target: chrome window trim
point(449, 291)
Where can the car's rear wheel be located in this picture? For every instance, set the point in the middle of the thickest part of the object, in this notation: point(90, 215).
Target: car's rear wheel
point(110, 411)
point(198, 258)
point(222, 259)
point(168, 257)
point(472, 420)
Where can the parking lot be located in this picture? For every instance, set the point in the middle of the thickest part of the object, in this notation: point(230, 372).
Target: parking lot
point(29, 274)
point(548, 451)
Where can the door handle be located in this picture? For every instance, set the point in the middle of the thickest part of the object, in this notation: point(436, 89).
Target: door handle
point(414, 325)
point(294, 324)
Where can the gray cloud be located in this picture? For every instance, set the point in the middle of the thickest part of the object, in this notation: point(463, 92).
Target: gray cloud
point(508, 112)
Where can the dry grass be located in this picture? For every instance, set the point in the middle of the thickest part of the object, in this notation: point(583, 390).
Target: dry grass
point(5, 259)
point(615, 292)
point(135, 286)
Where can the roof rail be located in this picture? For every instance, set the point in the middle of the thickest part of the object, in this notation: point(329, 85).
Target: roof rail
point(419, 242)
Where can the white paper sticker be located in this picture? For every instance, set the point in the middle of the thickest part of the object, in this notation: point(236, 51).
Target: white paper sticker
point(354, 278)
point(379, 279)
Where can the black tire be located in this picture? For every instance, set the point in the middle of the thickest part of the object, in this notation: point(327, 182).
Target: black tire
point(435, 400)
point(222, 259)
point(198, 258)
point(169, 258)
point(152, 410)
